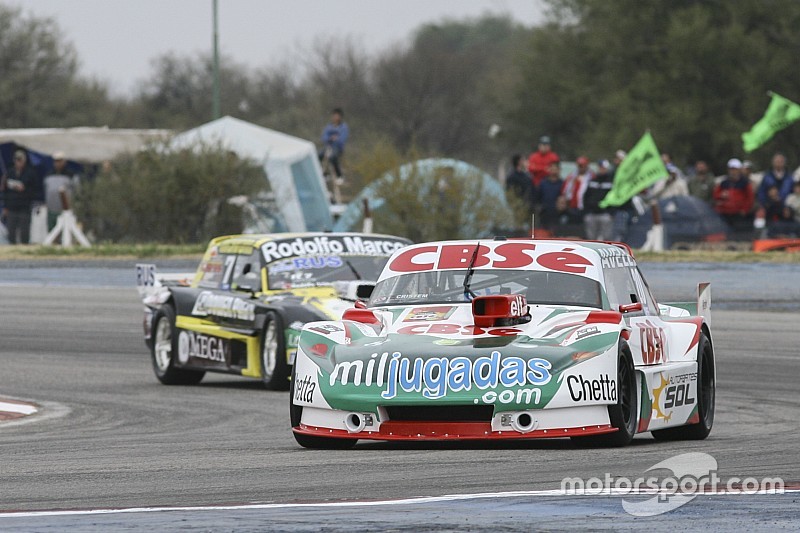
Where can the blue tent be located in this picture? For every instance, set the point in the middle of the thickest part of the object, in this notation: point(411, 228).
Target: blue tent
point(41, 162)
point(351, 217)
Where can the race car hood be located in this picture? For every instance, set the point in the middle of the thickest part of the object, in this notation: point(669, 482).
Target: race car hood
point(435, 352)
point(325, 302)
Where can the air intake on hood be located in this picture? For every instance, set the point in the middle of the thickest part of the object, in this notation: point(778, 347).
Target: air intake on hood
point(441, 413)
point(365, 316)
point(500, 310)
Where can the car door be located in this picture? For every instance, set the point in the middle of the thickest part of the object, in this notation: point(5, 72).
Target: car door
point(241, 281)
point(628, 293)
point(201, 316)
point(223, 317)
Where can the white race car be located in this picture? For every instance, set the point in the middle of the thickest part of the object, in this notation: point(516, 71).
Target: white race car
point(507, 339)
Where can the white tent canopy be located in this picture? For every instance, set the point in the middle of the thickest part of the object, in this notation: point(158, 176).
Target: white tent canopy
point(87, 145)
point(290, 163)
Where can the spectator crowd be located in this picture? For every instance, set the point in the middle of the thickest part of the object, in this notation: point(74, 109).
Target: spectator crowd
point(752, 204)
point(23, 191)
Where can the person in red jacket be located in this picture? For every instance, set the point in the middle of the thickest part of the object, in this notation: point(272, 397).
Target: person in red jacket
point(734, 197)
point(575, 185)
point(539, 161)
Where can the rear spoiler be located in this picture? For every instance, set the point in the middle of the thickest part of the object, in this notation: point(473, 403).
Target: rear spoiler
point(149, 282)
point(704, 301)
point(701, 307)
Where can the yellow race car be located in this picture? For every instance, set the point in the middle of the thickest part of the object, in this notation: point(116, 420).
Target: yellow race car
point(243, 309)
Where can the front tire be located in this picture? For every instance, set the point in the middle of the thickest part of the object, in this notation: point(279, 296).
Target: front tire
point(274, 367)
point(624, 415)
point(706, 394)
point(164, 349)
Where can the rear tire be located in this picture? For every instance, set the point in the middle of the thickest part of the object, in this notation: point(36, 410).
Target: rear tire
point(309, 441)
point(164, 349)
point(706, 393)
point(624, 415)
point(274, 367)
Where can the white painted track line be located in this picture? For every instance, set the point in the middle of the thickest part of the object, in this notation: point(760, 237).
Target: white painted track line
point(17, 408)
point(405, 501)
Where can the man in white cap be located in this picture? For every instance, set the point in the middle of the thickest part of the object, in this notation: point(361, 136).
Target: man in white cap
point(54, 183)
point(734, 197)
point(674, 185)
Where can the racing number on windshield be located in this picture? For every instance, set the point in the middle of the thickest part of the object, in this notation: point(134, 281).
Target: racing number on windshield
point(226, 277)
point(652, 341)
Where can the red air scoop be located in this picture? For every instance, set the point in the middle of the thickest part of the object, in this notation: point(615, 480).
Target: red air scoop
point(365, 316)
point(500, 310)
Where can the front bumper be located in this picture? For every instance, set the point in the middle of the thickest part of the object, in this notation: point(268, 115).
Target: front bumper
point(545, 423)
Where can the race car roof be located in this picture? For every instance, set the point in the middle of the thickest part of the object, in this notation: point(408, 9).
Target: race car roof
point(582, 258)
point(258, 239)
point(278, 246)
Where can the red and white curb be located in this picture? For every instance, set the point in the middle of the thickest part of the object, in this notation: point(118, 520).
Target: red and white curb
point(16, 409)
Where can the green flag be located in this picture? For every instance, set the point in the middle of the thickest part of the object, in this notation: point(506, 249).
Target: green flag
point(641, 168)
point(780, 114)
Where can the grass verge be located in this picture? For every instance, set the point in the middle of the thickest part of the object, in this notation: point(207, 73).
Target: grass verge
point(716, 256)
point(177, 251)
point(103, 251)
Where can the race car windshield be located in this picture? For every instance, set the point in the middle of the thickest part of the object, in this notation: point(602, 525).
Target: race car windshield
point(314, 271)
point(546, 288)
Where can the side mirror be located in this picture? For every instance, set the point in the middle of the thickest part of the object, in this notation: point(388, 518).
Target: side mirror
point(629, 308)
point(245, 287)
point(247, 283)
point(363, 292)
point(360, 304)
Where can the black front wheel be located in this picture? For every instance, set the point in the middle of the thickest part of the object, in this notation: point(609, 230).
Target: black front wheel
point(165, 348)
point(624, 415)
point(706, 392)
point(274, 367)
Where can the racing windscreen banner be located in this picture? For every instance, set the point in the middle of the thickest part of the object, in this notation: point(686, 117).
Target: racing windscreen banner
point(331, 245)
point(556, 257)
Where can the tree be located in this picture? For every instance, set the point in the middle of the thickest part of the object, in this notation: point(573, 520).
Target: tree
point(298, 97)
point(39, 82)
point(695, 73)
point(440, 94)
point(178, 93)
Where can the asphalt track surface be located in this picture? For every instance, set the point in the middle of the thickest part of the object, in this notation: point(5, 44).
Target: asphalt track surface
point(110, 437)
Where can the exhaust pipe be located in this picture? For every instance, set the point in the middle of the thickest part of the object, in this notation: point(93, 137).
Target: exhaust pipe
point(354, 422)
point(523, 422)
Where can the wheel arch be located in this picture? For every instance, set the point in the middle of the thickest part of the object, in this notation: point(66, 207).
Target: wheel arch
point(704, 328)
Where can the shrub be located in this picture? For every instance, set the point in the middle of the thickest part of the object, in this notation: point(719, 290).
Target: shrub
point(158, 195)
